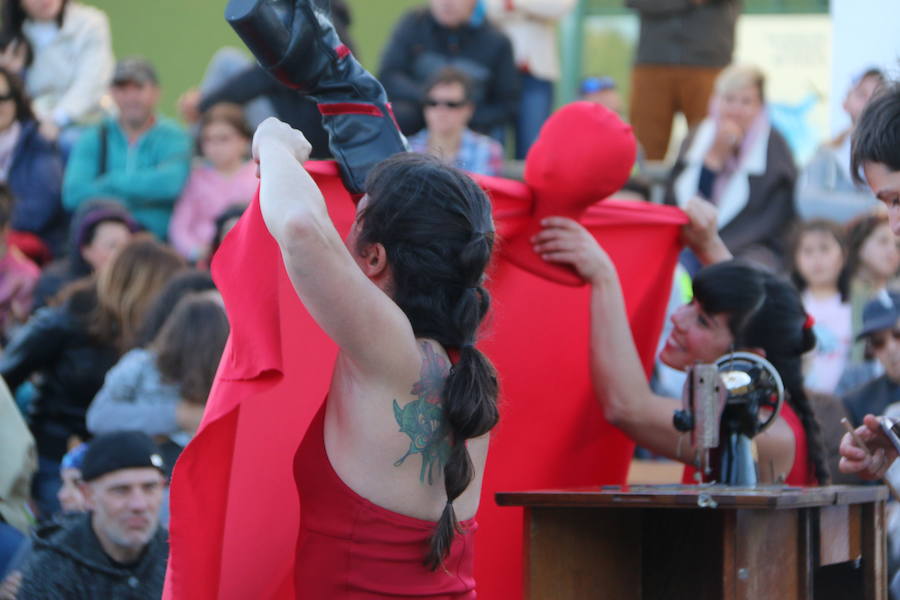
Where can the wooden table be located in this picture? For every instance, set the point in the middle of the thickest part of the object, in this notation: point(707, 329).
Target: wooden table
point(704, 542)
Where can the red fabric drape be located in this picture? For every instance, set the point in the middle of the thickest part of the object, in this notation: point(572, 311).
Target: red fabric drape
point(234, 506)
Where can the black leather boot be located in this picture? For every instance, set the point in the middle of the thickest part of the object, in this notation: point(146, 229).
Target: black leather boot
point(295, 41)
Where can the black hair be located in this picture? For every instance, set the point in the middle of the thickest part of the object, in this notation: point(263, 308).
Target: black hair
point(436, 228)
point(14, 17)
point(190, 344)
point(766, 312)
point(232, 212)
point(876, 138)
point(858, 231)
point(870, 73)
point(188, 282)
point(833, 229)
point(20, 99)
point(6, 205)
point(8, 37)
point(448, 75)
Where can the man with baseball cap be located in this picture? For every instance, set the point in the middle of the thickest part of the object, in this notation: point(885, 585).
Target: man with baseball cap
point(881, 330)
point(602, 90)
point(117, 549)
point(139, 158)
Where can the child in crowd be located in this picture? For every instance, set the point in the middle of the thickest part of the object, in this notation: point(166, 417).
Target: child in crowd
point(162, 389)
point(190, 281)
point(872, 263)
point(819, 258)
point(225, 177)
point(71, 500)
point(99, 229)
point(18, 275)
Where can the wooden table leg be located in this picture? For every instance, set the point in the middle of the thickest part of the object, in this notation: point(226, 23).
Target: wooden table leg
point(583, 554)
point(766, 555)
point(874, 551)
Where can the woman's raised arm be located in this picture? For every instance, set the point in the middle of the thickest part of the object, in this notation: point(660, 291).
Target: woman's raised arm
point(367, 325)
point(619, 380)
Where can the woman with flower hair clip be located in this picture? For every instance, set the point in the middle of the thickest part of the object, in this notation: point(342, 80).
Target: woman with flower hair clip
point(735, 307)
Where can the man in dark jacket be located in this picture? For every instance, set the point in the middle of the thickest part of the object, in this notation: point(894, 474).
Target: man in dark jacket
point(117, 550)
point(35, 178)
point(427, 39)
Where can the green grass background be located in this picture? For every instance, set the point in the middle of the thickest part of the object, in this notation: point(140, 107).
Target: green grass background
point(180, 36)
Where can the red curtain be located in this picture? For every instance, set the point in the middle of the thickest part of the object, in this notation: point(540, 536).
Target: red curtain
point(234, 505)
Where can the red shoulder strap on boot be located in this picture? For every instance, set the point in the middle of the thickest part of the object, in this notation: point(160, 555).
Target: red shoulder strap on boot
point(349, 108)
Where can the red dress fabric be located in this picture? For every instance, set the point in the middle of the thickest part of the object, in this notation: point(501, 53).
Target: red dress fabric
point(802, 473)
point(353, 549)
point(235, 515)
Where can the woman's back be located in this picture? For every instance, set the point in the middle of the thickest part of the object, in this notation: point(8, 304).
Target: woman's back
point(371, 484)
point(388, 442)
point(404, 287)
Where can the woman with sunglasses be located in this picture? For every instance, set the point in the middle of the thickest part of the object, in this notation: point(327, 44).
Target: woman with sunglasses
point(448, 109)
point(736, 307)
point(31, 167)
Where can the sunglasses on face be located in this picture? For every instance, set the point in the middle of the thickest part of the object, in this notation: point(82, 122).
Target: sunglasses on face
point(879, 340)
point(431, 103)
point(7, 97)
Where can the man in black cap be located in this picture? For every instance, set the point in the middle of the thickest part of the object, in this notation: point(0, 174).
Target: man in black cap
point(117, 550)
point(881, 330)
point(140, 158)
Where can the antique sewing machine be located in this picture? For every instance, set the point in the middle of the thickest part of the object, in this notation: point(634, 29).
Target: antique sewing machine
point(725, 405)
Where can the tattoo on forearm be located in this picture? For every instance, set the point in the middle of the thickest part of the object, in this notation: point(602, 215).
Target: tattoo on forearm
point(423, 419)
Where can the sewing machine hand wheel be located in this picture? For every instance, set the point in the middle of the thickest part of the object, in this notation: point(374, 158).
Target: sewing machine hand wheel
point(749, 376)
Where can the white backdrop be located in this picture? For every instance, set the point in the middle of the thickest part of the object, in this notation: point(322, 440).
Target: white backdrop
point(864, 33)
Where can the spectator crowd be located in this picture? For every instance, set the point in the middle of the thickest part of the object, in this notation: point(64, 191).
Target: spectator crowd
point(110, 214)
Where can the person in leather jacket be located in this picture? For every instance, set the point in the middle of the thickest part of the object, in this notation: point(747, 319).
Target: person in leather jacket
point(66, 356)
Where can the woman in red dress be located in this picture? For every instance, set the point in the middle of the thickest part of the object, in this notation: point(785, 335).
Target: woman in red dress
point(390, 471)
point(735, 307)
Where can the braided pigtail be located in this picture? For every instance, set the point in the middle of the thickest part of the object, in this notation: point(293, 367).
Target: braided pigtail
point(470, 410)
point(436, 227)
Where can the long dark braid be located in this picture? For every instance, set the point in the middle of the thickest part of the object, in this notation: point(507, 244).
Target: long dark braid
point(767, 312)
point(436, 227)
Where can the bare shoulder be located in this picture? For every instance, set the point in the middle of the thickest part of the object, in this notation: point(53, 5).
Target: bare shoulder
point(777, 448)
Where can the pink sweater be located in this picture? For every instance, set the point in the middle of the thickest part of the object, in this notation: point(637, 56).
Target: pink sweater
point(207, 194)
point(18, 276)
